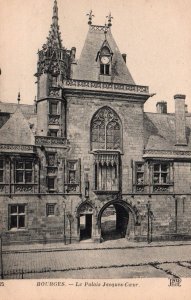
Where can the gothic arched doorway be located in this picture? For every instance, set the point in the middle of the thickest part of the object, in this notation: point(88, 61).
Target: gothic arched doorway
point(116, 220)
point(85, 220)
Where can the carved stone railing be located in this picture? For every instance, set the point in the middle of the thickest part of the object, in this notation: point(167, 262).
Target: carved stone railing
point(106, 86)
point(55, 92)
point(51, 170)
point(50, 140)
point(140, 188)
point(24, 188)
point(166, 153)
point(54, 120)
point(16, 148)
point(98, 28)
point(162, 187)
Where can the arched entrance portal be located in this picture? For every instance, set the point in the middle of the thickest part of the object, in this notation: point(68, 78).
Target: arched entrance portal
point(116, 220)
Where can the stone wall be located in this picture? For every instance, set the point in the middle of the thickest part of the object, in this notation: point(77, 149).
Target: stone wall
point(171, 213)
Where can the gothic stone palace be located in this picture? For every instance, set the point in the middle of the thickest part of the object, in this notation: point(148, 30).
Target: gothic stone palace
point(85, 161)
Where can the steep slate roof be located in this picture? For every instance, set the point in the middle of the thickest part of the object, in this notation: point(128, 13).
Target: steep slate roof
point(88, 68)
point(7, 109)
point(159, 132)
point(16, 130)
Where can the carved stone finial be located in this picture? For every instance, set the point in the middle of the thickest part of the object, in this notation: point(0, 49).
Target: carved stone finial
point(90, 17)
point(55, 12)
point(105, 28)
point(19, 98)
point(109, 19)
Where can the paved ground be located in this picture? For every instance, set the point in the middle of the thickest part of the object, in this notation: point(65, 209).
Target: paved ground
point(88, 245)
point(117, 259)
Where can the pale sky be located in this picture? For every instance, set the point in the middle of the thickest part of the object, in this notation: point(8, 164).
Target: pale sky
point(155, 34)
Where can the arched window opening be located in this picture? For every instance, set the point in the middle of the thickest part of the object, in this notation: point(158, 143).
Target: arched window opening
point(105, 61)
point(105, 130)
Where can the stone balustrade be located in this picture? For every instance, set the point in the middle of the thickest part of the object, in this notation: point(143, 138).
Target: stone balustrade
point(105, 86)
point(50, 140)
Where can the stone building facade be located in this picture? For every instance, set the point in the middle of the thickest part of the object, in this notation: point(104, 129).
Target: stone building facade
point(87, 146)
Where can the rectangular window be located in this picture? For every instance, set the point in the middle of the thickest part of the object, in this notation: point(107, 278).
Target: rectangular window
point(51, 183)
point(106, 177)
point(53, 132)
point(104, 69)
point(17, 216)
point(107, 172)
point(53, 108)
point(1, 170)
point(161, 173)
point(50, 209)
point(139, 173)
point(24, 171)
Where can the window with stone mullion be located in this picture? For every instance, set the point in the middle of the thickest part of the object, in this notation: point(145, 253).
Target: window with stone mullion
point(17, 216)
point(105, 130)
point(24, 172)
point(161, 173)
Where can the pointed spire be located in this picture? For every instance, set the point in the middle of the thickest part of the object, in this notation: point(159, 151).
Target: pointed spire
point(55, 13)
point(53, 57)
point(54, 38)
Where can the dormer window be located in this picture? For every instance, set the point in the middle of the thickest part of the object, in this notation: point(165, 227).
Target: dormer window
point(105, 58)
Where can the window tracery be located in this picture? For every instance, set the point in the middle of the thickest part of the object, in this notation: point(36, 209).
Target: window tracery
point(106, 130)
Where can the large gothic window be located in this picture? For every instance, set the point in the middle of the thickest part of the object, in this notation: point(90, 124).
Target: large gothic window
point(105, 130)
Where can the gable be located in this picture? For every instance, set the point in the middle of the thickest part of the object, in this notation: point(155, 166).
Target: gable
point(16, 130)
point(88, 67)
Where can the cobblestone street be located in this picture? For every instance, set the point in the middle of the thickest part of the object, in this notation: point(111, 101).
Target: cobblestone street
point(99, 262)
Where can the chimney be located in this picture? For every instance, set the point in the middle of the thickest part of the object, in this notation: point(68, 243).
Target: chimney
point(180, 120)
point(124, 55)
point(161, 107)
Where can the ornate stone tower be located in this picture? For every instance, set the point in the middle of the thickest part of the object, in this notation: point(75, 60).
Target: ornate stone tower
point(52, 68)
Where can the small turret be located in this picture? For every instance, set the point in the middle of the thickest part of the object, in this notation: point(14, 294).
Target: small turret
point(54, 59)
point(53, 66)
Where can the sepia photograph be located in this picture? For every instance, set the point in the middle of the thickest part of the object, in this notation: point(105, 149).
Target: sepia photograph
point(95, 142)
